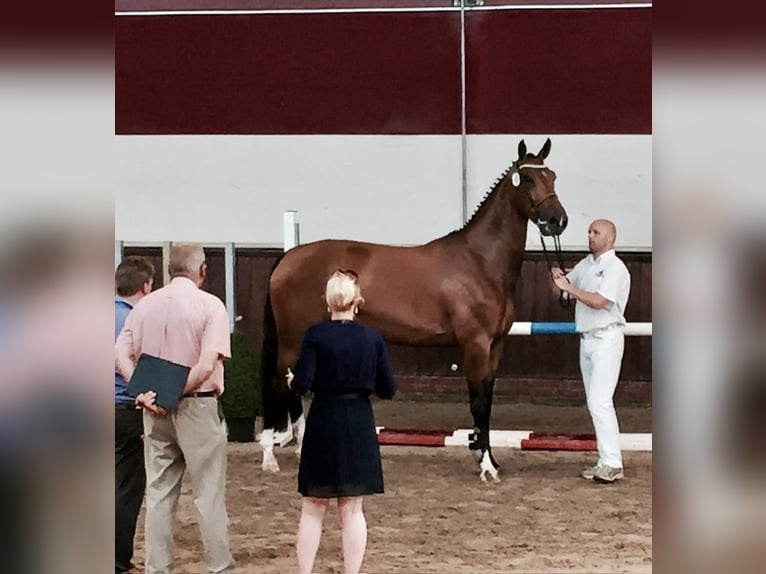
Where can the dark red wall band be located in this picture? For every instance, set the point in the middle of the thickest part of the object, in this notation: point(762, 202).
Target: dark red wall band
point(566, 71)
point(538, 71)
point(288, 74)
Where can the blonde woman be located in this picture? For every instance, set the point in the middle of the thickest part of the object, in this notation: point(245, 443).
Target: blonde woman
point(342, 362)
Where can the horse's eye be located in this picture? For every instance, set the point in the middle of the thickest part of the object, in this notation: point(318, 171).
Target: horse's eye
point(527, 179)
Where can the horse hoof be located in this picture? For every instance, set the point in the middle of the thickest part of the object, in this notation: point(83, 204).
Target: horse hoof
point(488, 469)
point(491, 473)
point(270, 463)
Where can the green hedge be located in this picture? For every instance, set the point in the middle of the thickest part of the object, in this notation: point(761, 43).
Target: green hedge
point(241, 397)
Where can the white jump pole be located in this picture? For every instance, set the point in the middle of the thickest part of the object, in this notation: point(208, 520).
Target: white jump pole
point(568, 328)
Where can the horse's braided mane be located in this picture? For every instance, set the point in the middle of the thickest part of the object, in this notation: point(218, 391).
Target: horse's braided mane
point(483, 199)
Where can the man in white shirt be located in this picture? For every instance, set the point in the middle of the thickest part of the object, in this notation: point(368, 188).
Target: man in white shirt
point(600, 283)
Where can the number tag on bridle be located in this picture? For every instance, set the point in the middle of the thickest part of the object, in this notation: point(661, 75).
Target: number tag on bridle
point(516, 177)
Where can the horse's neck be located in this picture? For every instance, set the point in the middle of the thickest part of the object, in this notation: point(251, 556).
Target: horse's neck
point(498, 232)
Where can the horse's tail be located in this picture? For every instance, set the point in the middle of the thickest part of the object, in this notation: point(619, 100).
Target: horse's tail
point(274, 402)
point(270, 345)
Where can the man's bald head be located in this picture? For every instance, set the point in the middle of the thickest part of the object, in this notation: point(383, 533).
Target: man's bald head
point(608, 228)
point(186, 260)
point(602, 234)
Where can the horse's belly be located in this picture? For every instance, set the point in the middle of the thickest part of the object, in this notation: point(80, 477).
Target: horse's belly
point(410, 333)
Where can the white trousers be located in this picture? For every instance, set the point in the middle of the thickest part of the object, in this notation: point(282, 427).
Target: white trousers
point(600, 362)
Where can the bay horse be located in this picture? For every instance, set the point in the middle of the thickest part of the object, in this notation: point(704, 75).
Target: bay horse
point(457, 290)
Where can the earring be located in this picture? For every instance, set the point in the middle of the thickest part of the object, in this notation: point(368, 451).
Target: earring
point(356, 310)
point(329, 310)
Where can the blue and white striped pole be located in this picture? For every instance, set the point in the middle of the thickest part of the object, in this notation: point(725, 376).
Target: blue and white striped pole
point(568, 328)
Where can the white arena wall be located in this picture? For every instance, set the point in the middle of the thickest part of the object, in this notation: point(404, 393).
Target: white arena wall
point(396, 189)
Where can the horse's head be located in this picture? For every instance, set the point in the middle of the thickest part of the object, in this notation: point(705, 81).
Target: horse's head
point(537, 198)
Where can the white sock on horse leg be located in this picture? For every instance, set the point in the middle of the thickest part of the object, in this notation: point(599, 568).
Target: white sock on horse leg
point(267, 439)
point(299, 428)
point(487, 469)
point(267, 444)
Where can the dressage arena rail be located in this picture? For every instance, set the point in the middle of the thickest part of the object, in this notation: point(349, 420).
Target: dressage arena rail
point(524, 439)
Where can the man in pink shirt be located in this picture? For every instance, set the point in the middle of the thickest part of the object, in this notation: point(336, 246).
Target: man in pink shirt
point(183, 324)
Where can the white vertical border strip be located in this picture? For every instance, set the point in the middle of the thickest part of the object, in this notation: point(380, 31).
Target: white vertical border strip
point(229, 265)
point(117, 253)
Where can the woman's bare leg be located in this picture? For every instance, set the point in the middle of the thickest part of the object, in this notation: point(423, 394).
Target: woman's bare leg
point(353, 532)
point(309, 532)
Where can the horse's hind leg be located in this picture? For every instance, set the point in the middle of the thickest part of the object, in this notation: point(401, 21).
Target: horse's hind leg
point(276, 407)
point(273, 411)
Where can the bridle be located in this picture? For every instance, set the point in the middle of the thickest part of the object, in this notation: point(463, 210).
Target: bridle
point(516, 181)
point(564, 300)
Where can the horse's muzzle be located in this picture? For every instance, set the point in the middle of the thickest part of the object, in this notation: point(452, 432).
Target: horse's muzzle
point(553, 226)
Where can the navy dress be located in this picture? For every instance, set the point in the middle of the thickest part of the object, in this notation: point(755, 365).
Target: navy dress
point(342, 363)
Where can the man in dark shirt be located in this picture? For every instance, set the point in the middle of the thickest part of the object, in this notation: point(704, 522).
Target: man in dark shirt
point(133, 280)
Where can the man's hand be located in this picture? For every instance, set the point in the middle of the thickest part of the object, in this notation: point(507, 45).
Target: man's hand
point(146, 401)
point(592, 299)
point(201, 372)
point(563, 283)
point(557, 272)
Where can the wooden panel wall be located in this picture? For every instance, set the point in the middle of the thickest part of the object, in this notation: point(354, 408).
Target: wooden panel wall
point(531, 367)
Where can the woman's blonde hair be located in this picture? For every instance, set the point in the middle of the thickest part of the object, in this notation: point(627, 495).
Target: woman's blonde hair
point(342, 291)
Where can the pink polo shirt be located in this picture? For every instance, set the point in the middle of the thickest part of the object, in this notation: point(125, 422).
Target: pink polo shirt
point(175, 323)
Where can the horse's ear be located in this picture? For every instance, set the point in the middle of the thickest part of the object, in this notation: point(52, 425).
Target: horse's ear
point(522, 149)
point(546, 148)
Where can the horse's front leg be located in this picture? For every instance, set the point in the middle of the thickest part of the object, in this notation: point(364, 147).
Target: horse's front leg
point(481, 408)
point(481, 382)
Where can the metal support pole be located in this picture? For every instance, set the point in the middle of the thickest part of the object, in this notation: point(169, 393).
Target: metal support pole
point(117, 253)
point(463, 121)
point(290, 229)
point(229, 263)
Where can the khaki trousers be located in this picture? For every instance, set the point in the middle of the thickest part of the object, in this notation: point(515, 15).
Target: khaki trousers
point(192, 438)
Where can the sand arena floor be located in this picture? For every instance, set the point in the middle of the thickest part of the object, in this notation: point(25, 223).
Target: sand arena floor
point(437, 517)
